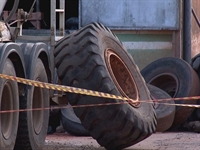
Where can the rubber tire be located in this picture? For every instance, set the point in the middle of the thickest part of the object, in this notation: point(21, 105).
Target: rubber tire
point(165, 113)
point(195, 63)
point(80, 62)
point(71, 123)
point(9, 95)
point(183, 82)
point(196, 66)
point(33, 127)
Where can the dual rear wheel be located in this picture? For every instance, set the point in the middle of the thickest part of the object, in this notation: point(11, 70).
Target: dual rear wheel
point(26, 129)
point(33, 124)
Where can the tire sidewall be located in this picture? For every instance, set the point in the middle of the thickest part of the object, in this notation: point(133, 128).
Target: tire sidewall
point(37, 140)
point(144, 94)
point(9, 70)
point(175, 67)
point(165, 113)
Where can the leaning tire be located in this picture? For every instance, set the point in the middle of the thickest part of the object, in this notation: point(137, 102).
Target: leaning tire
point(71, 123)
point(93, 58)
point(178, 79)
point(165, 113)
point(33, 124)
point(9, 101)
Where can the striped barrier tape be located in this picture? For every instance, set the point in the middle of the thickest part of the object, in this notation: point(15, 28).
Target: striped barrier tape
point(63, 88)
point(90, 93)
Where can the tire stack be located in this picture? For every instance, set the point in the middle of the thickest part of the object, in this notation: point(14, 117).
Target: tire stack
point(178, 79)
point(93, 58)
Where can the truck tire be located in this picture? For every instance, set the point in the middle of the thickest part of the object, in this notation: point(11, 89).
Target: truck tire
point(93, 58)
point(165, 113)
point(33, 124)
point(178, 79)
point(71, 123)
point(9, 101)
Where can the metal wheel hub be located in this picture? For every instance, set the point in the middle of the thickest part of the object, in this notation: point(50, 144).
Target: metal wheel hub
point(122, 77)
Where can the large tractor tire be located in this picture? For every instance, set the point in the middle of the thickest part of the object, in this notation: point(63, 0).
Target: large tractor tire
point(178, 79)
point(165, 113)
point(93, 58)
point(71, 123)
point(33, 124)
point(9, 101)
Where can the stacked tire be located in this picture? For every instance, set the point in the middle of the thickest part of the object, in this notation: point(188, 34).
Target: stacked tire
point(93, 58)
point(165, 109)
point(178, 79)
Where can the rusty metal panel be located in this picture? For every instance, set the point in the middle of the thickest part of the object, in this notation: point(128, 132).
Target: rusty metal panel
point(196, 13)
point(131, 14)
point(195, 28)
point(147, 47)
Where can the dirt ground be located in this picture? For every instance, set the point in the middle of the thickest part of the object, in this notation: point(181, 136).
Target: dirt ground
point(157, 141)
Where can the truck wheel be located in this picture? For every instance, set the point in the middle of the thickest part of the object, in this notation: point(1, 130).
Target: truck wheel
point(71, 123)
point(93, 58)
point(178, 79)
point(33, 124)
point(165, 113)
point(9, 101)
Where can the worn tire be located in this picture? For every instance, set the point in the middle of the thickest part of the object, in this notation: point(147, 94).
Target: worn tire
point(195, 63)
point(9, 101)
point(165, 113)
point(196, 66)
point(178, 79)
point(93, 58)
point(71, 123)
point(33, 124)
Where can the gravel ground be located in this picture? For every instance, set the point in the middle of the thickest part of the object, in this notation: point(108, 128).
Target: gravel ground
point(157, 141)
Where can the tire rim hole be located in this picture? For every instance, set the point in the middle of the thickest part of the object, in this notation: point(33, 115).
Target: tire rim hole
point(166, 82)
point(122, 77)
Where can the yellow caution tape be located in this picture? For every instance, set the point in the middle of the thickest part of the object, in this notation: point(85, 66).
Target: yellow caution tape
point(64, 88)
point(95, 93)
